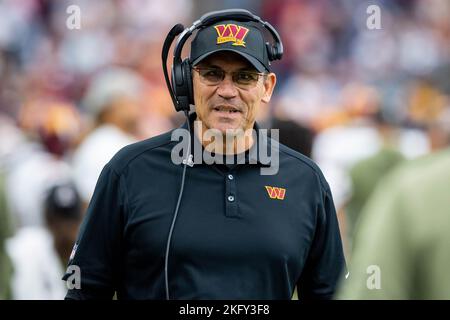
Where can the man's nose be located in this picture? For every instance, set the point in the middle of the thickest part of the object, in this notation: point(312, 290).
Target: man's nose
point(226, 88)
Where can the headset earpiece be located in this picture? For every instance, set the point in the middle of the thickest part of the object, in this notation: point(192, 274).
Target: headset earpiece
point(278, 51)
point(273, 51)
point(270, 51)
point(187, 72)
point(182, 85)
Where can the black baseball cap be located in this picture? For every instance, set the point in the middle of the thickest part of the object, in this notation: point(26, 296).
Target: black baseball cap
point(63, 201)
point(243, 38)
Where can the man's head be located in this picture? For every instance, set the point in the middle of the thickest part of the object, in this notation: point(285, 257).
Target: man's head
point(114, 97)
point(63, 215)
point(231, 77)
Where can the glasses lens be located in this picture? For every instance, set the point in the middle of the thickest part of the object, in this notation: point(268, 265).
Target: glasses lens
point(246, 78)
point(211, 76)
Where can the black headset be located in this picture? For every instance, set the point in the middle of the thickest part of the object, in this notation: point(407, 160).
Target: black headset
point(180, 87)
point(181, 90)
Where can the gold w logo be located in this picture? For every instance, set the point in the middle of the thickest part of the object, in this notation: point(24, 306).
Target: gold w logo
point(275, 192)
point(231, 33)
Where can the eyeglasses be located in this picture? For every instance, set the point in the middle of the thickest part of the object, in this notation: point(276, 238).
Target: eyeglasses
point(242, 79)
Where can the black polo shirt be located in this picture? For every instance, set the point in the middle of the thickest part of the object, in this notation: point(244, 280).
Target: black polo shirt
point(236, 237)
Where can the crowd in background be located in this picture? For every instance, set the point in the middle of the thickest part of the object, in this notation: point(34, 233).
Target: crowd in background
point(358, 101)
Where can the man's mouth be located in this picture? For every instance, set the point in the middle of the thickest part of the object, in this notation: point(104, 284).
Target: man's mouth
point(229, 109)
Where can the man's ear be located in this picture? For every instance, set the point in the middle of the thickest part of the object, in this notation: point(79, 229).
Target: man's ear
point(269, 84)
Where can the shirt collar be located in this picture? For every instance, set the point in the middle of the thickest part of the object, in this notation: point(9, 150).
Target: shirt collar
point(252, 156)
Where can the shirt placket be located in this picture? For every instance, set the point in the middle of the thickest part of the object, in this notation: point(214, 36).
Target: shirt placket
point(231, 209)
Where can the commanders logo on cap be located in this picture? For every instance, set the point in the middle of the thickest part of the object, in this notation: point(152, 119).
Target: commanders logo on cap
point(231, 33)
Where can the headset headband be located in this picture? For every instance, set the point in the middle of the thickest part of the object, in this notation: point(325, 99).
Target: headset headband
point(180, 86)
point(216, 16)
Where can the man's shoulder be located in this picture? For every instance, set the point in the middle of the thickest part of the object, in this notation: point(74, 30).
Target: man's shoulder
point(134, 151)
point(423, 174)
point(302, 163)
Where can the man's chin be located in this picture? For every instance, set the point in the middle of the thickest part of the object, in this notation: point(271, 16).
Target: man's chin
point(229, 131)
point(230, 128)
point(222, 127)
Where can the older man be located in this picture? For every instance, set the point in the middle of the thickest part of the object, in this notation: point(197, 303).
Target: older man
point(239, 233)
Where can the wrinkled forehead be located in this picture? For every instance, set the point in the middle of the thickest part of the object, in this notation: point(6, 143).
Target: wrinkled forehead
point(226, 60)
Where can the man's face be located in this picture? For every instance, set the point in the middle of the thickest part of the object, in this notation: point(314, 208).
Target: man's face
point(225, 106)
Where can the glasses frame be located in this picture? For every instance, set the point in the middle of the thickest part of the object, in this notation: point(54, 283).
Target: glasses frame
point(233, 74)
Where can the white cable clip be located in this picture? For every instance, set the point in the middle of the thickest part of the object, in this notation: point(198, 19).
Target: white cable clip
point(189, 161)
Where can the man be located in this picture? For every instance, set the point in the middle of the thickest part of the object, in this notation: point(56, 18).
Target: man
point(240, 234)
point(39, 254)
point(401, 248)
point(112, 99)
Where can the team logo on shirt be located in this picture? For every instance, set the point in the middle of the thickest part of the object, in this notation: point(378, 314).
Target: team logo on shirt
point(231, 33)
point(276, 192)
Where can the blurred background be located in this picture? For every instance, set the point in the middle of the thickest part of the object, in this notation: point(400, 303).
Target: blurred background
point(358, 101)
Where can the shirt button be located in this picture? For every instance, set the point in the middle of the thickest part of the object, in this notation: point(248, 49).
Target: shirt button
point(230, 176)
point(231, 198)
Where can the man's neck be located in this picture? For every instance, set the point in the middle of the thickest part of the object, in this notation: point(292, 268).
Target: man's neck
point(217, 142)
